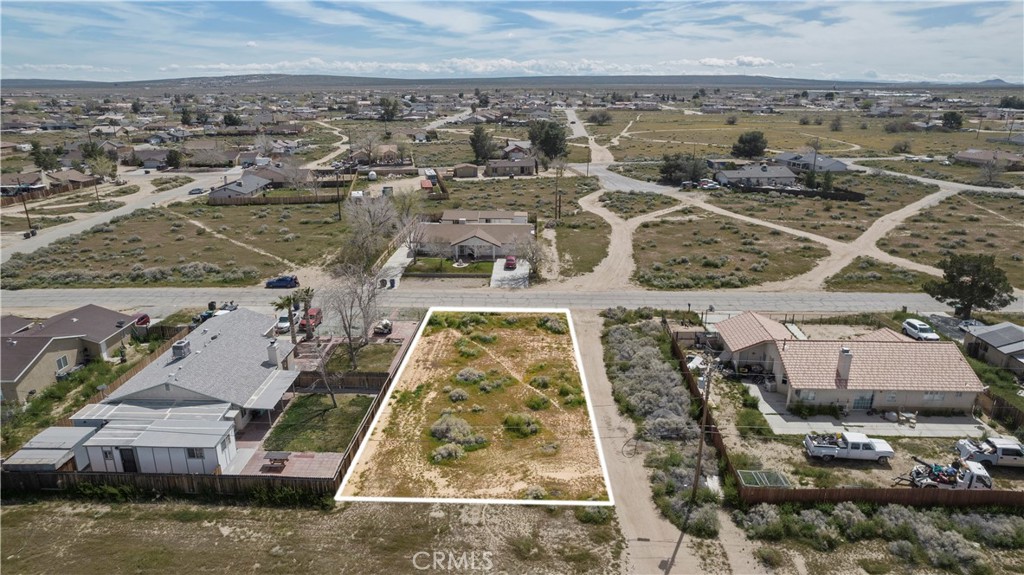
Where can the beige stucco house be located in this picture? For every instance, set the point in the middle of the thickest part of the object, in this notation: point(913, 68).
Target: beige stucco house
point(881, 370)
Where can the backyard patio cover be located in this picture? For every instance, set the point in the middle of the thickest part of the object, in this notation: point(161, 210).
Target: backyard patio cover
point(268, 394)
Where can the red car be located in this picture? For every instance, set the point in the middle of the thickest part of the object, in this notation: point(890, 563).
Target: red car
point(510, 262)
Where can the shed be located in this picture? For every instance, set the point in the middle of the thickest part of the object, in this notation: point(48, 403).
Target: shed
point(168, 446)
point(53, 449)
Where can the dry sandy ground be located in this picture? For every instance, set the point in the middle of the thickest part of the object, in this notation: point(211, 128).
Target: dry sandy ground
point(396, 463)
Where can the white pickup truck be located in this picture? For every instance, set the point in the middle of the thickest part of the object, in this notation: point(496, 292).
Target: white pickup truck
point(1000, 451)
point(847, 446)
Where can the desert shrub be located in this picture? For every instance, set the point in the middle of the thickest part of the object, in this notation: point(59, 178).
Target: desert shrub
point(770, 556)
point(552, 324)
point(481, 337)
point(470, 375)
point(522, 424)
point(550, 448)
point(490, 385)
point(703, 522)
point(455, 430)
point(448, 451)
point(477, 408)
point(540, 382)
point(594, 515)
point(538, 402)
point(536, 492)
point(457, 395)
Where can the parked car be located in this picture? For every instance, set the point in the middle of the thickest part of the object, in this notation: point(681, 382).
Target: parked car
point(919, 330)
point(312, 321)
point(510, 262)
point(284, 282)
point(847, 446)
point(1002, 451)
point(967, 324)
point(196, 191)
point(284, 323)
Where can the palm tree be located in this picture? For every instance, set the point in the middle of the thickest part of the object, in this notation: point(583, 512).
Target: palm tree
point(305, 296)
point(286, 303)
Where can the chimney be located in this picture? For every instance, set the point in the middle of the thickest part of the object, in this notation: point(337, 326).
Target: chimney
point(845, 360)
point(272, 354)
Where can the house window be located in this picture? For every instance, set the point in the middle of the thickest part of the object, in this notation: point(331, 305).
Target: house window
point(890, 397)
point(958, 394)
point(195, 453)
point(108, 454)
point(224, 444)
point(807, 396)
point(62, 362)
point(934, 396)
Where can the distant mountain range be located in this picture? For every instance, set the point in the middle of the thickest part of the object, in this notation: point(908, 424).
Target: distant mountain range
point(291, 83)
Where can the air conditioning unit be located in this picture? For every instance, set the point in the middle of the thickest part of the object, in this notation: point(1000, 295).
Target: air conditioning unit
point(181, 348)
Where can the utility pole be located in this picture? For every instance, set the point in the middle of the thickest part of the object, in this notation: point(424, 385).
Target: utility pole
point(25, 205)
point(337, 191)
point(703, 426)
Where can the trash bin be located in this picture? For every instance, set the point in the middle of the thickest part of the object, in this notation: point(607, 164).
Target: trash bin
point(392, 286)
point(27, 235)
point(32, 231)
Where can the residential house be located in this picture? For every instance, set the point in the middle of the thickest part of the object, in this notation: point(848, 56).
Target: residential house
point(516, 149)
point(756, 175)
point(1001, 345)
point(805, 162)
point(35, 356)
point(882, 370)
point(476, 241)
point(502, 168)
point(283, 175)
point(484, 217)
point(384, 154)
point(65, 180)
point(13, 183)
point(984, 157)
point(465, 171)
point(248, 185)
point(151, 159)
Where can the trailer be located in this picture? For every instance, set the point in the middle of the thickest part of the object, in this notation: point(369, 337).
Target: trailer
point(958, 475)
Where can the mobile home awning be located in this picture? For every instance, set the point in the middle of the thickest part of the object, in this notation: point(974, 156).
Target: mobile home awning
point(268, 394)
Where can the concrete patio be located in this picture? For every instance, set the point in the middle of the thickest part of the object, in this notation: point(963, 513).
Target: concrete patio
point(773, 407)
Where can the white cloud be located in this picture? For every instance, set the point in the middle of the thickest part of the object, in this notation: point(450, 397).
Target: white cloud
point(251, 44)
point(738, 61)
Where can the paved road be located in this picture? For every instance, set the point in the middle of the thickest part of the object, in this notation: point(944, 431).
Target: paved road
point(45, 237)
point(161, 301)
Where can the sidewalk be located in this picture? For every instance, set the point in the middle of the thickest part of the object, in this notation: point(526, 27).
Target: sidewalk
point(393, 269)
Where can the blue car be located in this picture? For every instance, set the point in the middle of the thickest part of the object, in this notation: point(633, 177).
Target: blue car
point(284, 282)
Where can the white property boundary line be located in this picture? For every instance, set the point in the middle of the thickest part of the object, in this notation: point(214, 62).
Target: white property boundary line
point(398, 375)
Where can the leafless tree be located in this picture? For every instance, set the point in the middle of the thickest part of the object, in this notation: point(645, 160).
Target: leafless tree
point(990, 172)
point(437, 249)
point(415, 233)
point(264, 144)
point(372, 222)
point(296, 177)
point(353, 298)
point(368, 144)
point(529, 249)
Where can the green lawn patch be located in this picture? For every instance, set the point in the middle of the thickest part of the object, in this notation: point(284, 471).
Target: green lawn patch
point(374, 357)
point(312, 423)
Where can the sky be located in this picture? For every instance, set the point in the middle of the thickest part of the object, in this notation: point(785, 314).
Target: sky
point(882, 40)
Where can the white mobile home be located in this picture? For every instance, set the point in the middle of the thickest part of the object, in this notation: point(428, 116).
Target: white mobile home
point(170, 446)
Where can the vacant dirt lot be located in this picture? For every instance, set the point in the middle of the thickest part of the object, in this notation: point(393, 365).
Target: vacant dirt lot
point(520, 368)
point(156, 538)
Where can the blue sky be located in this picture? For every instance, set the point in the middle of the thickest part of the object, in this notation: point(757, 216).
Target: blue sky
point(852, 39)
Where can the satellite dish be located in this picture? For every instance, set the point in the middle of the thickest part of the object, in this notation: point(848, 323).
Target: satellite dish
point(372, 176)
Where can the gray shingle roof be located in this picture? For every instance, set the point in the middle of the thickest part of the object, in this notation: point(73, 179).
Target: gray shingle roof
point(228, 363)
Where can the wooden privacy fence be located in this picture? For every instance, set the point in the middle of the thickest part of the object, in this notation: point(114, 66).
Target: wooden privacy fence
point(361, 381)
point(878, 495)
point(1001, 410)
point(274, 200)
point(191, 484)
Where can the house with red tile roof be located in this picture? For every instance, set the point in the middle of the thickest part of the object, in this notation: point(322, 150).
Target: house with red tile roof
point(881, 370)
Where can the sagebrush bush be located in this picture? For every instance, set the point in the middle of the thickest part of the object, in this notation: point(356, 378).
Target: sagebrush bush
point(455, 430)
point(470, 375)
point(522, 424)
point(552, 324)
point(458, 395)
point(538, 402)
point(448, 451)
